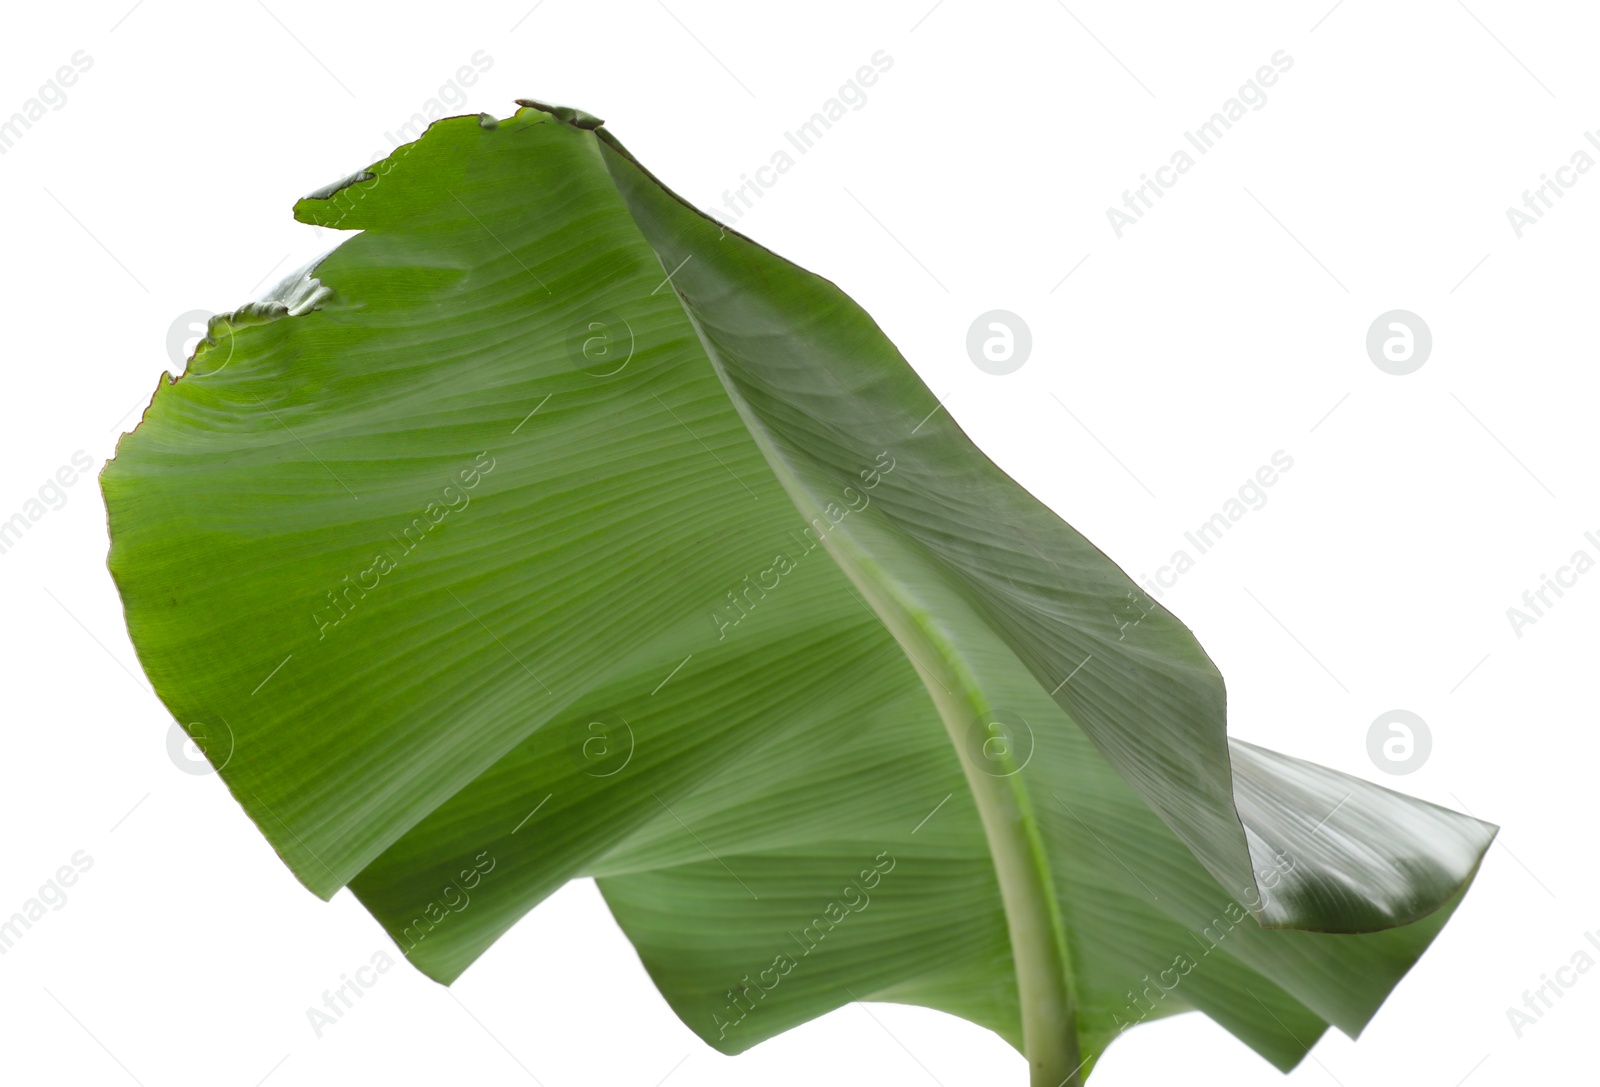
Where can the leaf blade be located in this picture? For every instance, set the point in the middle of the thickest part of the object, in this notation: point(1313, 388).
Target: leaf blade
point(594, 574)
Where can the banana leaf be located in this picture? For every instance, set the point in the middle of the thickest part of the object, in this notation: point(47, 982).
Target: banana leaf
point(549, 529)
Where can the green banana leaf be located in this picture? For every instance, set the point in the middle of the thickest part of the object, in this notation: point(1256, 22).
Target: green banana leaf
point(549, 529)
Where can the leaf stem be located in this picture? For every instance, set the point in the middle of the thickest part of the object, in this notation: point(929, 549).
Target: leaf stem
point(1039, 947)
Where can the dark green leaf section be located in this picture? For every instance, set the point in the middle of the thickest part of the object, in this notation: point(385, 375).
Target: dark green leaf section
point(515, 561)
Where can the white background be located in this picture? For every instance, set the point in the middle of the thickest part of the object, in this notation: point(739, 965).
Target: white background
point(1226, 325)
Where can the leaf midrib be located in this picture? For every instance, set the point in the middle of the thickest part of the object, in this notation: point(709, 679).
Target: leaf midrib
point(1040, 950)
